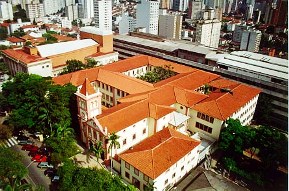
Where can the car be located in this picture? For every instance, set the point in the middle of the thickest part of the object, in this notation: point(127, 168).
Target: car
point(39, 158)
point(50, 172)
point(25, 142)
point(55, 178)
point(33, 153)
point(44, 165)
point(28, 147)
point(22, 137)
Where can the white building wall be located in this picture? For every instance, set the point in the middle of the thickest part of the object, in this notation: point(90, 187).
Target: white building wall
point(163, 122)
point(34, 11)
point(6, 11)
point(126, 24)
point(103, 14)
point(88, 9)
point(137, 71)
point(208, 33)
point(132, 135)
point(16, 26)
point(106, 59)
point(147, 16)
point(42, 68)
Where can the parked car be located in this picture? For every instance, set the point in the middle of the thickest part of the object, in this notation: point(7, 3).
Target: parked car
point(25, 142)
point(50, 172)
point(39, 158)
point(28, 147)
point(55, 179)
point(44, 165)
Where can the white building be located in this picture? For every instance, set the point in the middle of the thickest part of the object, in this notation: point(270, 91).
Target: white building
point(170, 25)
point(208, 32)
point(251, 40)
point(237, 35)
point(71, 12)
point(88, 7)
point(103, 14)
point(65, 23)
point(52, 6)
point(16, 26)
point(126, 24)
point(6, 11)
point(34, 10)
point(195, 7)
point(147, 16)
point(69, 2)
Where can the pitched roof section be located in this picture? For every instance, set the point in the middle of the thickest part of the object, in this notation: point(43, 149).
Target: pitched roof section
point(156, 154)
point(87, 88)
point(14, 39)
point(22, 56)
point(222, 105)
point(64, 47)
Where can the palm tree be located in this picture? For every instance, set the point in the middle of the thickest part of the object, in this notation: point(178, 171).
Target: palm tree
point(16, 185)
point(113, 144)
point(97, 149)
point(63, 130)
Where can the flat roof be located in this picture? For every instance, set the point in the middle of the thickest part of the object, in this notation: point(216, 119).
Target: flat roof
point(168, 45)
point(63, 47)
point(253, 68)
point(94, 30)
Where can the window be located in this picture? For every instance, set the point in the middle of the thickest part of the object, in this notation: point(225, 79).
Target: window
point(181, 107)
point(134, 136)
point(173, 176)
point(166, 182)
point(127, 175)
point(144, 131)
point(204, 127)
point(205, 117)
point(136, 171)
point(182, 168)
point(124, 142)
point(47, 66)
point(146, 178)
point(127, 165)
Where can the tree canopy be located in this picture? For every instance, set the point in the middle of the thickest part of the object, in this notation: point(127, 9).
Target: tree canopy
point(75, 65)
point(35, 102)
point(75, 178)
point(159, 73)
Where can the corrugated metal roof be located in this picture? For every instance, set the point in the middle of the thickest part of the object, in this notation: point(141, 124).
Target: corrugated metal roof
point(63, 47)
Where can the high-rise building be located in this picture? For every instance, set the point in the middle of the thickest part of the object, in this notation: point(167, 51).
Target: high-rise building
point(165, 4)
point(208, 33)
point(195, 8)
point(52, 6)
point(6, 11)
point(251, 40)
point(69, 2)
point(126, 24)
point(34, 10)
point(180, 5)
point(103, 14)
point(170, 25)
point(147, 16)
point(250, 9)
point(88, 12)
point(71, 12)
point(237, 35)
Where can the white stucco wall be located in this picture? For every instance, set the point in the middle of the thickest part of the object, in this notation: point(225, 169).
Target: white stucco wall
point(42, 68)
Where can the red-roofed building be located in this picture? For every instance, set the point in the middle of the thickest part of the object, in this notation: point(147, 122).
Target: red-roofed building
point(193, 102)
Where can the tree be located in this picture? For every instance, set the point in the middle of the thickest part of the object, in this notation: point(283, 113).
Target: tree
point(273, 147)
point(18, 33)
point(91, 63)
point(3, 33)
point(63, 130)
point(159, 73)
point(11, 168)
point(113, 144)
point(264, 110)
point(5, 132)
point(235, 138)
point(72, 66)
point(97, 149)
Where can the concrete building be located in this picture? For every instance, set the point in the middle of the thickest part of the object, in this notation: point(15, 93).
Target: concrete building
point(208, 33)
point(50, 59)
point(250, 40)
point(88, 9)
point(103, 14)
point(237, 34)
point(52, 6)
point(65, 23)
point(6, 11)
point(162, 116)
point(126, 24)
point(71, 12)
point(199, 57)
point(195, 8)
point(34, 10)
point(170, 25)
point(179, 5)
point(147, 16)
point(165, 4)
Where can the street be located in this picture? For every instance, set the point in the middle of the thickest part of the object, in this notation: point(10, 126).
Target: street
point(36, 175)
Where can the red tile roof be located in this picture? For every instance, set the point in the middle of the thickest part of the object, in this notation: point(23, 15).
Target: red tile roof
point(14, 39)
point(156, 154)
point(29, 26)
point(87, 88)
point(22, 56)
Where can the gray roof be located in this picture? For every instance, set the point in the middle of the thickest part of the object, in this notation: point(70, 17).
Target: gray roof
point(167, 45)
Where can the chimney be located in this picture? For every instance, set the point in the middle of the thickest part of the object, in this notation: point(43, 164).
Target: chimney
point(32, 50)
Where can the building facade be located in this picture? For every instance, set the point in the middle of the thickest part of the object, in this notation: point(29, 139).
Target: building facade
point(250, 40)
point(147, 16)
point(71, 12)
point(34, 10)
point(6, 11)
point(208, 33)
point(103, 14)
point(170, 25)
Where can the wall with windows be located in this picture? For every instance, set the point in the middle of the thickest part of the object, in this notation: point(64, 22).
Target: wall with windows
point(163, 122)
point(202, 123)
point(180, 108)
point(137, 71)
point(42, 68)
point(132, 135)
